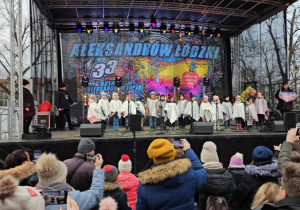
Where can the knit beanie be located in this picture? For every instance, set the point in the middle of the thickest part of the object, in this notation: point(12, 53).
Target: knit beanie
point(161, 150)
point(110, 173)
point(86, 145)
point(13, 196)
point(25, 82)
point(205, 97)
point(125, 164)
point(50, 170)
point(62, 85)
point(236, 161)
point(209, 152)
point(92, 96)
point(262, 153)
point(152, 93)
point(108, 203)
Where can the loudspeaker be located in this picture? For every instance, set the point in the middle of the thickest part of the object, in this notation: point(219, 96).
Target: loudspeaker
point(278, 126)
point(91, 130)
point(289, 119)
point(135, 122)
point(203, 128)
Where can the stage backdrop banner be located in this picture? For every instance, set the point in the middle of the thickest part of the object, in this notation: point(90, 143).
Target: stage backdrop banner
point(147, 63)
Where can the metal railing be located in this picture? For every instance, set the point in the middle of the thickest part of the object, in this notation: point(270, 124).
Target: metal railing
point(5, 113)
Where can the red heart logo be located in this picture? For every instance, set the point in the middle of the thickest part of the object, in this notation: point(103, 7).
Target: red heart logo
point(119, 72)
point(31, 192)
point(190, 79)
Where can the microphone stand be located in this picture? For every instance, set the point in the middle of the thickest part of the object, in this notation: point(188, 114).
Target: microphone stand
point(128, 102)
point(161, 117)
point(192, 124)
point(165, 87)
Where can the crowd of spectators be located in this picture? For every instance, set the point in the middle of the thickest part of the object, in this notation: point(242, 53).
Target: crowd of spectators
point(178, 179)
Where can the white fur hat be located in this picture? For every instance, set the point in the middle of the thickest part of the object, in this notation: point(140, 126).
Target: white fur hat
point(50, 170)
point(209, 152)
point(152, 93)
point(13, 196)
point(125, 164)
point(103, 93)
point(108, 204)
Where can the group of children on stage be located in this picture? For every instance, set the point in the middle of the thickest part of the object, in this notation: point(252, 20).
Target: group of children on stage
point(167, 111)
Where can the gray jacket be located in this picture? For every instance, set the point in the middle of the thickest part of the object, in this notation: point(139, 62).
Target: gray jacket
point(284, 155)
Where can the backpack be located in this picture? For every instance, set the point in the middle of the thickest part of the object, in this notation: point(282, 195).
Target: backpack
point(216, 203)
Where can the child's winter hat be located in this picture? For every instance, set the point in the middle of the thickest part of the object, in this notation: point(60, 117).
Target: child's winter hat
point(110, 173)
point(209, 152)
point(125, 164)
point(236, 161)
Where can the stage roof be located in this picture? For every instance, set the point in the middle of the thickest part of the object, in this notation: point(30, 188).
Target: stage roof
point(230, 16)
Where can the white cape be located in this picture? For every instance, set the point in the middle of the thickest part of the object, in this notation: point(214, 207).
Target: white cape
point(216, 116)
point(132, 108)
point(227, 110)
point(94, 112)
point(188, 110)
point(153, 107)
point(172, 112)
point(116, 106)
point(206, 114)
point(251, 111)
point(105, 106)
point(239, 110)
point(181, 106)
point(140, 105)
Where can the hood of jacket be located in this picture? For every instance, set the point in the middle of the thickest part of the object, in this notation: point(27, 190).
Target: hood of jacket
point(8, 185)
point(128, 180)
point(112, 186)
point(168, 173)
point(268, 170)
point(289, 203)
point(20, 172)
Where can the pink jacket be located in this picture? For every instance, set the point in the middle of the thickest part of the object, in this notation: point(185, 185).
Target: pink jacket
point(130, 184)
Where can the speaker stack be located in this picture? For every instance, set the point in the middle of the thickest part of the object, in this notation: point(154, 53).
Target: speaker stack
point(91, 130)
point(203, 128)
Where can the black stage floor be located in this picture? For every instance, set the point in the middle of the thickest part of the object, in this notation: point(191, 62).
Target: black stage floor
point(113, 144)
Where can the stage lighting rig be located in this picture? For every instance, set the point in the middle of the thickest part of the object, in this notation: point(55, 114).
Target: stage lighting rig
point(106, 27)
point(116, 27)
point(79, 27)
point(187, 30)
point(141, 27)
point(206, 81)
point(209, 32)
point(118, 81)
point(196, 30)
point(163, 28)
point(172, 28)
point(176, 81)
point(85, 81)
point(153, 22)
point(131, 27)
point(89, 29)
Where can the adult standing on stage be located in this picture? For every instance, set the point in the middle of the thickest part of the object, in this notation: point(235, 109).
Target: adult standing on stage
point(284, 106)
point(62, 103)
point(28, 106)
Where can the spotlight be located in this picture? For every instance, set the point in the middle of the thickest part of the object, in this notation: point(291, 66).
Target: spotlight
point(118, 81)
point(153, 22)
point(172, 28)
point(85, 81)
point(187, 30)
point(218, 34)
point(116, 27)
point(141, 27)
point(176, 81)
point(163, 28)
point(196, 30)
point(209, 32)
point(106, 27)
point(79, 27)
point(131, 27)
point(89, 28)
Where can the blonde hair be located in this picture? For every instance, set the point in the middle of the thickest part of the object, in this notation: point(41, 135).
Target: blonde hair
point(267, 193)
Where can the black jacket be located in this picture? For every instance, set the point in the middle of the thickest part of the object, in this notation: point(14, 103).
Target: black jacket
point(30, 181)
point(62, 99)
point(114, 190)
point(292, 203)
point(219, 182)
point(237, 175)
point(28, 102)
point(282, 104)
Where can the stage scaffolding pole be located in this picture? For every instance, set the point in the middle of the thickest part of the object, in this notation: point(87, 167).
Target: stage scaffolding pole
point(16, 75)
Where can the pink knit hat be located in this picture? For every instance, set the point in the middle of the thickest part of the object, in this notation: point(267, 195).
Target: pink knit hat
point(236, 161)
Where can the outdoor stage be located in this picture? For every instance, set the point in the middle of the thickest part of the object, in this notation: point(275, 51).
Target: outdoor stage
point(113, 144)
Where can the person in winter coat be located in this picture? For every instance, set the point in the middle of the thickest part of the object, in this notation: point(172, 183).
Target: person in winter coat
point(181, 104)
point(152, 110)
point(217, 112)
point(62, 103)
point(172, 113)
point(79, 168)
point(16, 197)
point(237, 168)
point(261, 171)
point(114, 189)
point(205, 110)
point(219, 180)
point(17, 158)
point(116, 110)
point(238, 112)
point(227, 112)
point(284, 106)
point(129, 181)
point(128, 108)
point(161, 113)
point(52, 176)
point(169, 183)
point(104, 104)
point(28, 106)
point(290, 183)
point(291, 144)
point(192, 109)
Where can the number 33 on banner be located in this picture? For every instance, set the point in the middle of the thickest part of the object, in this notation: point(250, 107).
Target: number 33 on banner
point(100, 69)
